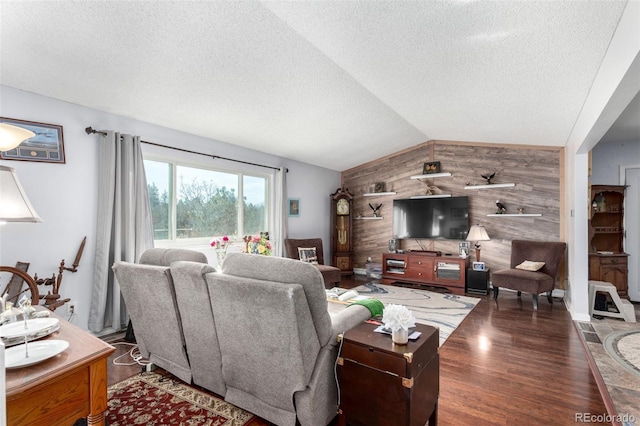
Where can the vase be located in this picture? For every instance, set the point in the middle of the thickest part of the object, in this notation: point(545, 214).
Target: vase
point(400, 336)
point(220, 254)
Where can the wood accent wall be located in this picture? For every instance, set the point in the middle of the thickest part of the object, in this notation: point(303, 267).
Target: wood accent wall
point(536, 171)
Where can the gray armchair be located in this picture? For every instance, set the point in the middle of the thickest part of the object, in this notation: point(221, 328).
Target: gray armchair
point(534, 282)
point(330, 274)
point(148, 292)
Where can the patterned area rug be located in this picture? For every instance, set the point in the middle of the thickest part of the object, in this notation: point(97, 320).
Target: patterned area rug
point(153, 399)
point(624, 347)
point(442, 310)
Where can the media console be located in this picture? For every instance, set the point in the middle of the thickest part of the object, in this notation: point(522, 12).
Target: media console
point(425, 268)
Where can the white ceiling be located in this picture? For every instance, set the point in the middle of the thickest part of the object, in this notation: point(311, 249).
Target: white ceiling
point(331, 83)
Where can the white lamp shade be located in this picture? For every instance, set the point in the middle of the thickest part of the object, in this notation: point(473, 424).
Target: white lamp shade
point(478, 233)
point(12, 136)
point(14, 204)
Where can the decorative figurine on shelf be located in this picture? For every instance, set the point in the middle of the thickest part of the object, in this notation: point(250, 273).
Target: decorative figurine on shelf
point(520, 210)
point(488, 177)
point(375, 209)
point(501, 207)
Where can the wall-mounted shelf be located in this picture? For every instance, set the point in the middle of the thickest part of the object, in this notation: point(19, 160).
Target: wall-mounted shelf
point(431, 175)
point(368, 218)
point(375, 194)
point(493, 185)
point(515, 214)
point(415, 197)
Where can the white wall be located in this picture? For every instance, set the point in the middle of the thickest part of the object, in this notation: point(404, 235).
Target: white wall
point(64, 195)
point(607, 158)
point(615, 85)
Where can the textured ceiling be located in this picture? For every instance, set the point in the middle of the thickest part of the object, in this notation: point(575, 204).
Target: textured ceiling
point(333, 83)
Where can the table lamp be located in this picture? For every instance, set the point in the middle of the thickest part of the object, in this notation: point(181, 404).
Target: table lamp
point(14, 204)
point(477, 233)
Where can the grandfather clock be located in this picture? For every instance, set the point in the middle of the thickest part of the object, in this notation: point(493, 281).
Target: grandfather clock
point(342, 230)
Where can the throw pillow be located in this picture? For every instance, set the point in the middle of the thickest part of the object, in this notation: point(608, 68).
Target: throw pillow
point(308, 254)
point(528, 265)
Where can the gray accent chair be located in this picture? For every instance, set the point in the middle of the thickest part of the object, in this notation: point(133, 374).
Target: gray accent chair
point(277, 341)
point(148, 292)
point(330, 274)
point(534, 282)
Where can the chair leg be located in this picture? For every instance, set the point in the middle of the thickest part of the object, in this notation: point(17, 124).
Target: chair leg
point(495, 292)
point(549, 298)
point(535, 301)
point(519, 293)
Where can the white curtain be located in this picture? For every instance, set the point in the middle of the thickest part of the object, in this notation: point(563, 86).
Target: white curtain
point(280, 214)
point(124, 226)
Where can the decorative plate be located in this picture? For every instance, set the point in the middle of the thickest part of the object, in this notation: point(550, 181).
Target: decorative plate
point(17, 329)
point(15, 357)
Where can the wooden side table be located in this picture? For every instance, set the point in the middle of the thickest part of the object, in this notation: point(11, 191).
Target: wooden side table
point(64, 388)
point(385, 384)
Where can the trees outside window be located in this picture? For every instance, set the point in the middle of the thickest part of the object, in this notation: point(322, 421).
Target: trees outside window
point(190, 203)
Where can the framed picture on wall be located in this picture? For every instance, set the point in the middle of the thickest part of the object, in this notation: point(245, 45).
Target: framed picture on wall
point(432, 167)
point(46, 146)
point(294, 207)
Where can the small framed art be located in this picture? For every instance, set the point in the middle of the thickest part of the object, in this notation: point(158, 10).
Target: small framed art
point(294, 207)
point(463, 249)
point(46, 146)
point(478, 266)
point(432, 167)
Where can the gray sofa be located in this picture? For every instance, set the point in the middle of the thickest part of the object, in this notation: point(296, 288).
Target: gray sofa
point(258, 333)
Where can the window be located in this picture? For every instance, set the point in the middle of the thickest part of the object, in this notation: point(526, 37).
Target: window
point(192, 204)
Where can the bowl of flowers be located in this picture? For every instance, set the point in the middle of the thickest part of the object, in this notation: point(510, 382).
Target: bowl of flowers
point(258, 244)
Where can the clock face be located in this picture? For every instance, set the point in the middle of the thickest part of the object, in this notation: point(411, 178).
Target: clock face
point(343, 207)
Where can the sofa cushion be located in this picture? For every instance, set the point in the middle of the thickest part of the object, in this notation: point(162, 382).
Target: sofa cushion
point(286, 271)
point(528, 265)
point(527, 281)
point(308, 254)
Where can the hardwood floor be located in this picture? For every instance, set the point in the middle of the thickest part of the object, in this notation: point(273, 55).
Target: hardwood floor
point(504, 365)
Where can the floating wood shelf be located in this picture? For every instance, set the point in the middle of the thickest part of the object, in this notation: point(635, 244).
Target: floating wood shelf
point(431, 175)
point(515, 214)
point(415, 197)
point(493, 185)
point(375, 194)
point(369, 218)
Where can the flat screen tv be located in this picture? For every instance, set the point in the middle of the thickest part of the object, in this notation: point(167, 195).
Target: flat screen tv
point(431, 218)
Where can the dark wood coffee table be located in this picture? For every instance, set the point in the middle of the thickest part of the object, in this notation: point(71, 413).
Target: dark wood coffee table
point(62, 389)
point(382, 383)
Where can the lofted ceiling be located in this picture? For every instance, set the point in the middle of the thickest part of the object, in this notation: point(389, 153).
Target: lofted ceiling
point(330, 83)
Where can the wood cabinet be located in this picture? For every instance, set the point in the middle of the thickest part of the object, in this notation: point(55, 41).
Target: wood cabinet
point(607, 259)
point(425, 268)
point(610, 268)
point(384, 384)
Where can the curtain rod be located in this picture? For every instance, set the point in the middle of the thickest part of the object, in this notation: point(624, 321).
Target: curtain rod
point(90, 130)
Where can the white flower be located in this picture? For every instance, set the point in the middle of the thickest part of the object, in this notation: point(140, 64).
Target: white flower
point(396, 317)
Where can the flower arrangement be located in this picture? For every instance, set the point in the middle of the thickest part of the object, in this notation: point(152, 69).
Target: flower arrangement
point(258, 244)
point(397, 317)
point(220, 245)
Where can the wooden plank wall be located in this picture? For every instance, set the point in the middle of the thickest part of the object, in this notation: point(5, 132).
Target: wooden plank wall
point(536, 171)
